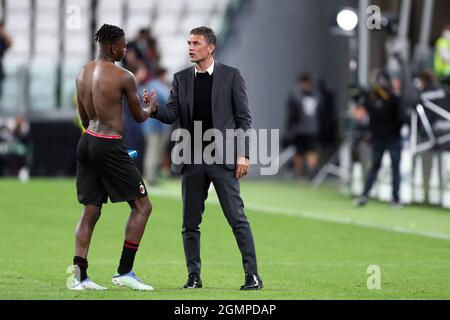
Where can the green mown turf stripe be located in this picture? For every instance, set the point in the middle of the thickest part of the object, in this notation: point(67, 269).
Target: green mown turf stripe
point(314, 216)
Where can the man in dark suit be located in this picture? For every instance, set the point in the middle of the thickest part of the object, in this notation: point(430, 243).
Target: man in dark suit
point(214, 95)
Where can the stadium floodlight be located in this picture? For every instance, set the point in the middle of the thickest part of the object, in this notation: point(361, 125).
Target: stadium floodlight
point(347, 19)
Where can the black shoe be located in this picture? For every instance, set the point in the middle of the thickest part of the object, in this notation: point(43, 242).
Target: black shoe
point(193, 282)
point(252, 282)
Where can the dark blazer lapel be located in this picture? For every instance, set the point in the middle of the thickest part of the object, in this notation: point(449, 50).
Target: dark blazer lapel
point(190, 92)
point(217, 83)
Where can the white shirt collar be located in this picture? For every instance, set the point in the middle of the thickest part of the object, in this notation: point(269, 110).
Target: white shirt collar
point(210, 69)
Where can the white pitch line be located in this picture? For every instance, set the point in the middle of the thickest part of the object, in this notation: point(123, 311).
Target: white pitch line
point(314, 216)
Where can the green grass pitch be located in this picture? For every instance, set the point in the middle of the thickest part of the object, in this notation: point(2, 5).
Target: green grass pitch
point(311, 244)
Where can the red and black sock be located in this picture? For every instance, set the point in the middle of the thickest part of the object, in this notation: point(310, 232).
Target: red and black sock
point(82, 265)
point(128, 253)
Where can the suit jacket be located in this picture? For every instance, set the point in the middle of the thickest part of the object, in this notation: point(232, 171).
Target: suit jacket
point(229, 106)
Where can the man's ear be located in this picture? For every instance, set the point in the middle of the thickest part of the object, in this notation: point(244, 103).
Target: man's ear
point(212, 48)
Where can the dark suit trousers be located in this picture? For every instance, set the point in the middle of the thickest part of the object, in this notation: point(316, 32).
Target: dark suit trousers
point(395, 150)
point(195, 184)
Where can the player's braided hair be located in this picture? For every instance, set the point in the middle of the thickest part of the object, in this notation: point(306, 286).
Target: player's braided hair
point(109, 34)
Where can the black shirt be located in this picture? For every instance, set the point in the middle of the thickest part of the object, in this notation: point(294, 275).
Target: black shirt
point(385, 115)
point(202, 101)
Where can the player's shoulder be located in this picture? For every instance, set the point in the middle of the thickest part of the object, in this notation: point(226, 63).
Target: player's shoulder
point(85, 68)
point(119, 69)
point(122, 73)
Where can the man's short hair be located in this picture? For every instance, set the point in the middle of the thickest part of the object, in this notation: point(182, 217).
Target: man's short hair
point(109, 34)
point(207, 32)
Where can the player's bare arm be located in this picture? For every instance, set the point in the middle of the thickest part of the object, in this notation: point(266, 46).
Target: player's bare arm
point(140, 113)
point(82, 112)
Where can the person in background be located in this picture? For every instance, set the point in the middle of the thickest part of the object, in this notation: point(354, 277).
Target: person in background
point(304, 105)
point(147, 46)
point(143, 49)
point(5, 44)
point(155, 132)
point(132, 59)
point(361, 148)
point(442, 57)
point(15, 140)
point(329, 123)
point(385, 122)
point(133, 135)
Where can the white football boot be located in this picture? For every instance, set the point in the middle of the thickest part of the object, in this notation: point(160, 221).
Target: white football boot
point(86, 284)
point(130, 280)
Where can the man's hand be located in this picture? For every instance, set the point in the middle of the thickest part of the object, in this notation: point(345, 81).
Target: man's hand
point(241, 167)
point(151, 100)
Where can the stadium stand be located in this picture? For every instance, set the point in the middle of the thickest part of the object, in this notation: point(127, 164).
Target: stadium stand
point(47, 52)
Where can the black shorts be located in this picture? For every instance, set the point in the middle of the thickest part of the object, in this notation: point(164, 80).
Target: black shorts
point(305, 144)
point(104, 169)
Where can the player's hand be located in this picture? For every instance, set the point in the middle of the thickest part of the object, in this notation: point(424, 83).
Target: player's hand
point(151, 100)
point(242, 167)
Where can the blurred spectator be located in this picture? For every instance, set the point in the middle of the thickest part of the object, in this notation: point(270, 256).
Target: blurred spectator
point(406, 85)
point(304, 105)
point(329, 127)
point(386, 119)
point(133, 136)
point(132, 59)
point(143, 49)
point(442, 56)
point(146, 45)
point(156, 133)
point(5, 44)
point(14, 146)
point(361, 148)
